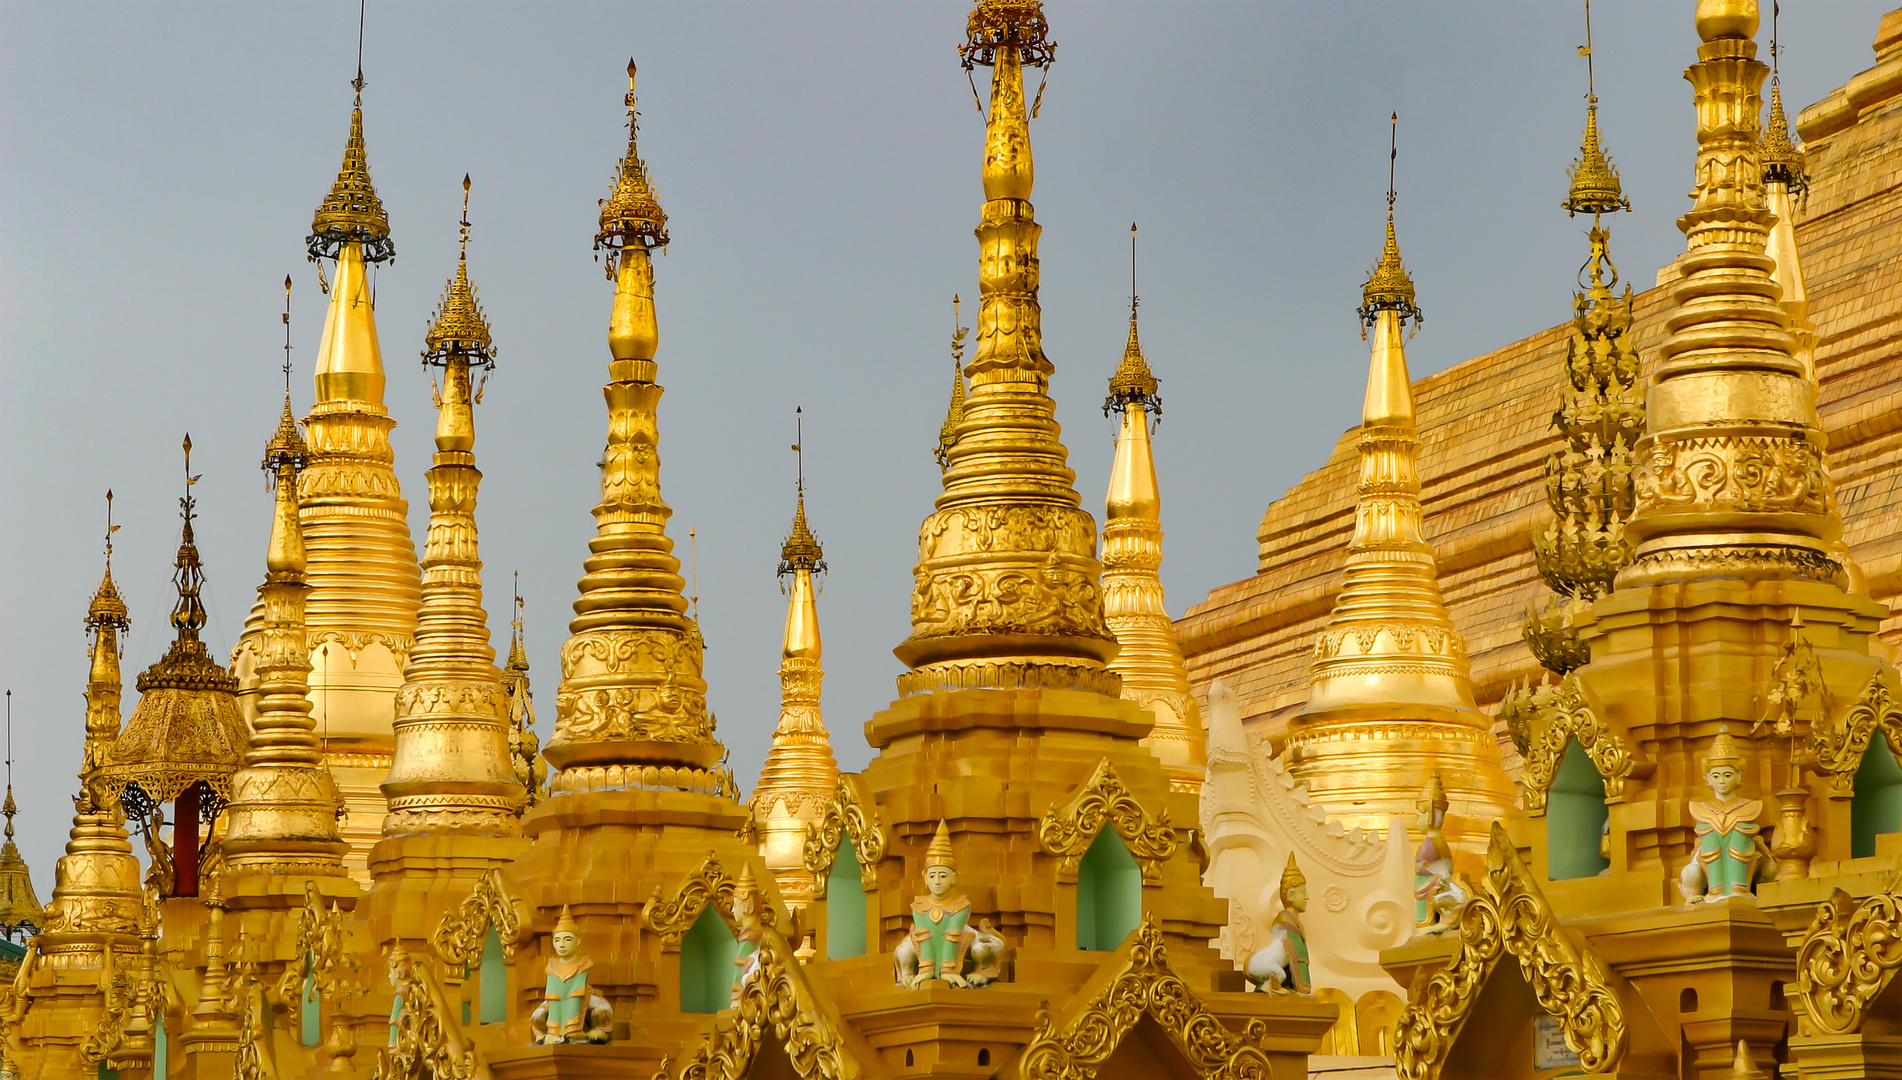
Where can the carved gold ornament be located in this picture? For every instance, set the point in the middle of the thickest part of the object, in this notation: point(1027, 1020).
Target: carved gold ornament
point(1067, 831)
point(1848, 955)
point(335, 971)
point(428, 1044)
point(847, 814)
point(1145, 986)
point(458, 937)
point(1554, 716)
point(1510, 915)
point(1837, 742)
point(775, 1002)
point(672, 916)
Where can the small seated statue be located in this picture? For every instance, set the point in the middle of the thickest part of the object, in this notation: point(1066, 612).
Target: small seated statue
point(940, 946)
point(1731, 854)
point(1282, 966)
point(570, 1012)
point(1435, 884)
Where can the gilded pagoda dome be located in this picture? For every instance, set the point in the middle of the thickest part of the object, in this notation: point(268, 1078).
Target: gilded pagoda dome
point(187, 728)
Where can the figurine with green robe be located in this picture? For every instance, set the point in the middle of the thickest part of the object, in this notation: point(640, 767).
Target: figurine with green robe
point(1731, 854)
point(940, 945)
point(569, 1012)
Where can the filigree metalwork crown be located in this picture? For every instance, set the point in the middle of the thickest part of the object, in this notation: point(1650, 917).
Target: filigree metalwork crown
point(458, 327)
point(801, 551)
point(1783, 160)
point(1389, 287)
point(1595, 187)
point(352, 212)
point(1016, 24)
point(631, 215)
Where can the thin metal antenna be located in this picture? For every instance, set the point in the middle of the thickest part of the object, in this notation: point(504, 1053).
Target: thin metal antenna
point(519, 608)
point(358, 84)
point(1132, 268)
point(799, 445)
point(287, 336)
point(693, 554)
point(1393, 156)
point(110, 529)
point(1585, 50)
point(9, 752)
point(1775, 48)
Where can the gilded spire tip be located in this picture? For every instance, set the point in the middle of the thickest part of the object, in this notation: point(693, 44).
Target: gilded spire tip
point(1595, 187)
point(1389, 286)
point(1134, 385)
point(1783, 160)
point(631, 214)
point(1015, 24)
point(108, 608)
point(458, 327)
point(954, 414)
point(352, 212)
point(801, 551)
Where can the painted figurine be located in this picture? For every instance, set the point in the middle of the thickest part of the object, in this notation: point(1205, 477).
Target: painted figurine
point(1282, 967)
point(569, 1012)
point(1731, 853)
point(1435, 885)
point(940, 945)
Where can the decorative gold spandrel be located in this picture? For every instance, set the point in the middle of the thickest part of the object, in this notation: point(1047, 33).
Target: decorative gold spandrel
point(1848, 956)
point(1007, 578)
point(489, 906)
point(1067, 831)
point(427, 1042)
point(1730, 476)
point(1088, 1032)
point(1510, 916)
point(849, 813)
point(670, 914)
point(451, 772)
point(1553, 717)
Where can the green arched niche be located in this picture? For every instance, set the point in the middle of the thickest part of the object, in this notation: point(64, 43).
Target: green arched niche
point(1575, 816)
point(1876, 807)
point(845, 905)
point(707, 968)
point(1109, 894)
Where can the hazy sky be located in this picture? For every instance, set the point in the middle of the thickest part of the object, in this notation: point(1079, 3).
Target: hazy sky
point(159, 164)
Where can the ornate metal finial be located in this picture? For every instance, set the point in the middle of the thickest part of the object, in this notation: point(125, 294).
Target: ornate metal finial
point(801, 551)
point(188, 615)
point(458, 328)
point(1133, 385)
point(630, 215)
point(287, 447)
point(1595, 188)
point(352, 212)
point(1389, 287)
point(1017, 24)
point(518, 638)
point(1783, 160)
point(954, 414)
point(9, 808)
point(107, 608)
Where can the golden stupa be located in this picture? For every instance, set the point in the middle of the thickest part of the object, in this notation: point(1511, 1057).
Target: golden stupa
point(1670, 853)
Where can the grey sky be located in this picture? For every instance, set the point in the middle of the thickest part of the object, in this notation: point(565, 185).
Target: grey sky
point(159, 165)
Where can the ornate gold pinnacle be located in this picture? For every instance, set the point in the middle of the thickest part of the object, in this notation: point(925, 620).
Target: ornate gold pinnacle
point(452, 771)
point(1007, 589)
point(352, 213)
point(631, 692)
point(954, 413)
point(1783, 160)
point(1730, 478)
point(1595, 187)
point(631, 215)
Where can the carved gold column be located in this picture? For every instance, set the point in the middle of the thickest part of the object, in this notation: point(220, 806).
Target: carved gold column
point(800, 772)
point(1149, 660)
point(1391, 699)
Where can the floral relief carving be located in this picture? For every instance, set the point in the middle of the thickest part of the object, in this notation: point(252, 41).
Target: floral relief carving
point(1751, 474)
point(848, 813)
point(458, 937)
point(672, 916)
point(1848, 956)
point(1549, 717)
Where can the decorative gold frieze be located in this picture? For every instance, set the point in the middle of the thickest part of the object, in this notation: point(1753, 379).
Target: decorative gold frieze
point(458, 937)
point(848, 813)
point(1067, 831)
point(1552, 716)
point(1144, 987)
point(671, 916)
point(1848, 955)
point(427, 1043)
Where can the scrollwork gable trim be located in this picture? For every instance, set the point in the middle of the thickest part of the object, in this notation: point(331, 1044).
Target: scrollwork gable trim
point(1067, 831)
point(1558, 717)
point(672, 916)
point(850, 812)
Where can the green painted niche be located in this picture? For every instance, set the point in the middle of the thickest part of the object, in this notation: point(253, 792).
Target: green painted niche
point(309, 1009)
point(1109, 894)
point(494, 976)
point(1575, 816)
point(845, 905)
point(1876, 807)
point(707, 968)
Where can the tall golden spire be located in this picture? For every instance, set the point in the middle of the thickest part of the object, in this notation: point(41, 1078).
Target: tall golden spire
point(800, 771)
point(1391, 696)
point(365, 587)
point(954, 413)
point(1007, 580)
point(525, 745)
point(631, 691)
point(283, 813)
point(105, 621)
point(1785, 181)
point(20, 912)
point(1601, 414)
point(452, 771)
point(1730, 479)
point(1149, 660)
point(186, 736)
